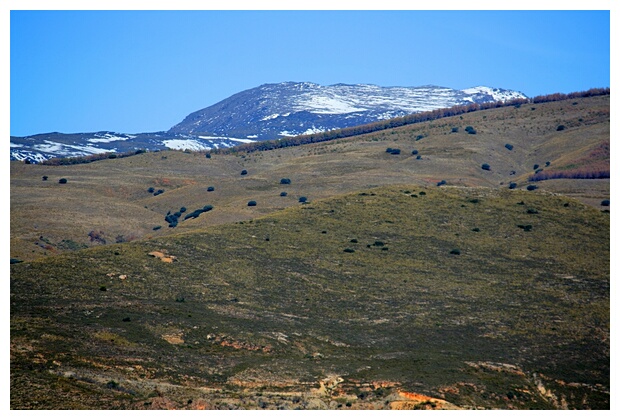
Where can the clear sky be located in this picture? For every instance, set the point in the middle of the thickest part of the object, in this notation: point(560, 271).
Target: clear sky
point(144, 71)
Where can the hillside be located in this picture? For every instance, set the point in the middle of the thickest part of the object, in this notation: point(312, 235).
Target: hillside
point(392, 297)
point(383, 290)
point(112, 197)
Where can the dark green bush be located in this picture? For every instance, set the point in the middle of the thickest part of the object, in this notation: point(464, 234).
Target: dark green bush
point(476, 229)
point(560, 128)
point(470, 129)
point(512, 185)
point(211, 189)
point(151, 190)
point(508, 146)
point(283, 194)
point(395, 152)
point(486, 167)
point(157, 227)
point(455, 251)
point(418, 157)
point(182, 209)
point(536, 166)
point(251, 203)
point(303, 199)
point(244, 172)
point(531, 187)
point(44, 178)
point(208, 155)
point(532, 211)
point(605, 203)
point(62, 181)
point(442, 182)
point(547, 163)
point(455, 129)
point(419, 137)
point(285, 181)
point(414, 152)
point(349, 250)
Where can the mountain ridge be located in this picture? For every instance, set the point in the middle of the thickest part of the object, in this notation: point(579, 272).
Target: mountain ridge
point(267, 112)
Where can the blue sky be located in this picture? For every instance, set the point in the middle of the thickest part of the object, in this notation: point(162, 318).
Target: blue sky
point(144, 71)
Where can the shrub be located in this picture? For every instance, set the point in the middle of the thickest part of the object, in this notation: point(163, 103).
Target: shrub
point(526, 228)
point(208, 155)
point(251, 203)
point(508, 146)
point(455, 251)
point(182, 209)
point(414, 152)
point(419, 137)
point(211, 189)
point(605, 203)
point(283, 194)
point(349, 250)
point(418, 157)
point(455, 129)
point(512, 185)
point(395, 152)
point(442, 182)
point(470, 129)
point(157, 227)
point(547, 163)
point(208, 207)
point(285, 181)
point(62, 181)
point(379, 243)
point(486, 167)
point(560, 127)
point(151, 190)
point(536, 166)
point(44, 178)
point(103, 289)
point(303, 199)
point(532, 211)
point(422, 193)
point(531, 187)
point(388, 150)
point(353, 241)
point(476, 229)
point(112, 156)
point(244, 172)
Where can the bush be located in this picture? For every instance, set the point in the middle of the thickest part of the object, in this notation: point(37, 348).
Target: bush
point(531, 187)
point(285, 181)
point(283, 194)
point(44, 178)
point(62, 181)
point(151, 190)
point(244, 172)
point(455, 129)
point(157, 227)
point(211, 189)
point(414, 152)
point(208, 155)
point(470, 129)
point(442, 182)
point(419, 137)
point(605, 203)
point(536, 166)
point(182, 209)
point(455, 251)
point(512, 185)
point(395, 152)
point(508, 146)
point(560, 128)
point(547, 163)
point(486, 167)
point(418, 157)
point(349, 250)
point(388, 150)
point(251, 203)
point(303, 199)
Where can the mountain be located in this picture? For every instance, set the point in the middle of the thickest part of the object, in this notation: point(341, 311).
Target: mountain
point(267, 112)
point(273, 111)
point(42, 147)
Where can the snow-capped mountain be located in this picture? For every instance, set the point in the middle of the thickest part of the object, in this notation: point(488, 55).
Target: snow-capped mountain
point(267, 112)
point(41, 147)
point(274, 111)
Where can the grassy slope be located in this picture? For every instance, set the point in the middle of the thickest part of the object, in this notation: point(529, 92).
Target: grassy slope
point(520, 319)
point(111, 196)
